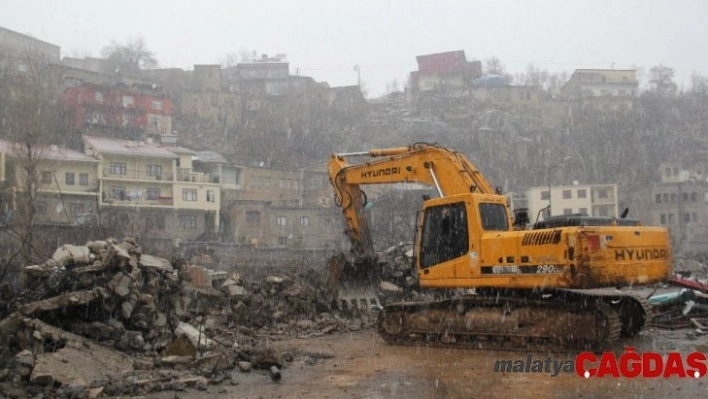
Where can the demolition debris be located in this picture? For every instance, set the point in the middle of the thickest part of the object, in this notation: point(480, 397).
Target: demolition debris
point(106, 319)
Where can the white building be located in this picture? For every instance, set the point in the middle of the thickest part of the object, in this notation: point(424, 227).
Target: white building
point(589, 199)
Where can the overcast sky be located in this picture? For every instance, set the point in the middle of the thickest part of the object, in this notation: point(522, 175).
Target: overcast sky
point(325, 39)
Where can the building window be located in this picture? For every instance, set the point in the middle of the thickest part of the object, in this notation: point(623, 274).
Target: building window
point(69, 178)
point(117, 168)
point(686, 217)
point(657, 198)
point(671, 218)
point(118, 192)
point(156, 104)
point(83, 179)
point(127, 119)
point(282, 241)
point(46, 177)
point(545, 195)
point(152, 194)
point(673, 197)
point(583, 211)
point(210, 196)
point(694, 197)
point(189, 194)
point(567, 194)
point(567, 211)
point(154, 170)
point(281, 221)
point(98, 96)
point(663, 218)
point(676, 171)
point(188, 221)
point(684, 197)
point(128, 101)
point(602, 194)
point(304, 220)
point(582, 193)
point(155, 121)
point(253, 217)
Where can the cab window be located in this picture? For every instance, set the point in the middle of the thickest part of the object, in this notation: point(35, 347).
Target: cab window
point(494, 217)
point(445, 235)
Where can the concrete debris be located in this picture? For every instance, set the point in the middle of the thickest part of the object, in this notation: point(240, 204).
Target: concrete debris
point(244, 366)
point(691, 268)
point(674, 310)
point(106, 319)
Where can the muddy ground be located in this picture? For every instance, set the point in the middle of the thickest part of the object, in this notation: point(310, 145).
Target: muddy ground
point(360, 365)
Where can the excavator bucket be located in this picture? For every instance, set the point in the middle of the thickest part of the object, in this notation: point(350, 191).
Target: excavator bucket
point(354, 282)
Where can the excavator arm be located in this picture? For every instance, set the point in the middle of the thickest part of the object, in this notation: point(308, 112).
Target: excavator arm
point(449, 171)
point(356, 275)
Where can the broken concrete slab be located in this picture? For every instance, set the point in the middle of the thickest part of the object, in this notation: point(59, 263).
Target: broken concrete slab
point(154, 262)
point(236, 291)
point(62, 256)
point(199, 339)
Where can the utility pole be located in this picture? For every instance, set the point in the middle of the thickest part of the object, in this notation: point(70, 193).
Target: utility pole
point(358, 75)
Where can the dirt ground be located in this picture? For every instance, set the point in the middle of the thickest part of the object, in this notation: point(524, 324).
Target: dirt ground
point(361, 365)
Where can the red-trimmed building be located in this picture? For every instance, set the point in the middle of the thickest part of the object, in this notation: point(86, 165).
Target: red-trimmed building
point(444, 70)
point(133, 111)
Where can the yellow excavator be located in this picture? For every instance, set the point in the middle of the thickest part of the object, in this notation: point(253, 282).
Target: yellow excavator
point(554, 283)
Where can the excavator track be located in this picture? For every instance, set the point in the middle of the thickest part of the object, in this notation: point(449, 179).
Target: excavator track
point(555, 319)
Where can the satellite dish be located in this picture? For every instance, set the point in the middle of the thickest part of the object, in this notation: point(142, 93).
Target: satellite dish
point(575, 182)
point(60, 207)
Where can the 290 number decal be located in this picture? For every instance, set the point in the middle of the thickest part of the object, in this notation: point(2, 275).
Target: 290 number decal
point(546, 269)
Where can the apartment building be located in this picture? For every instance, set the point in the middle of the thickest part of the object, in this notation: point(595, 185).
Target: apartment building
point(277, 208)
point(603, 89)
point(169, 195)
point(67, 186)
point(159, 182)
point(588, 199)
point(138, 113)
point(448, 70)
point(679, 203)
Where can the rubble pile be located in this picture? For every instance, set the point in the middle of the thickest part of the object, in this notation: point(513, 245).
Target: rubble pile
point(678, 309)
point(691, 268)
point(399, 277)
point(106, 319)
point(106, 290)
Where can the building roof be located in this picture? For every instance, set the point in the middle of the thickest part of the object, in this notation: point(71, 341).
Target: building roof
point(451, 61)
point(126, 147)
point(51, 152)
point(211, 157)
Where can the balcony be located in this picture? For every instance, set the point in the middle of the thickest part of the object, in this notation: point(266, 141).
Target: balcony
point(194, 177)
point(136, 175)
point(160, 201)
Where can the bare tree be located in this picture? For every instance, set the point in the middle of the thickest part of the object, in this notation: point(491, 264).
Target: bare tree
point(246, 54)
point(129, 57)
point(699, 85)
point(230, 60)
point(662, 80)
point(31, 115)
point(494, 66)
